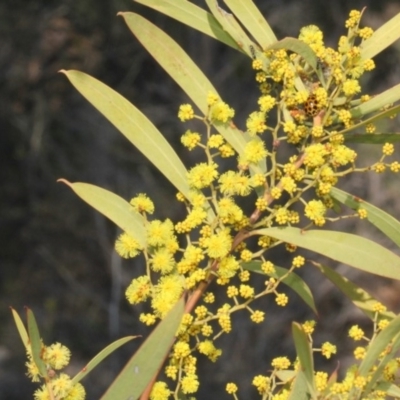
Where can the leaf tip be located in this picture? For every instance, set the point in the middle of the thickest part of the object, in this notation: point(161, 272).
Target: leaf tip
point(62, 180)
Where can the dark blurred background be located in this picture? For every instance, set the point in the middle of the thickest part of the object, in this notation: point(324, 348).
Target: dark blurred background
point(56, 253)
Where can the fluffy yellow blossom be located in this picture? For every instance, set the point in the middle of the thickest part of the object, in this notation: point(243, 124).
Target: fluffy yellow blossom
point(215, 141)
point(262, 383)
point(351, 87)
point(379, 167)
point(257, 316)
point(315, 210)
point(395, 166)
point(388, 149)
point(228, 267)
point(288, 184)
point(354, 19)
point(57, 356)
point(246, 255)
point(232, 291)
point(356, 333)
point(282, 216)
point(186, 112)
point(256, 123)
point(231, 388)
point(276, 192)
point(362, 213)
point(365, 33)
point(379, 307)
point(160, 391)
point(127, 246)
point(234, 183)
point(142, 204)
point(289, 127)
point(280, 363)
point(281, 299)
point(208, 349)
point(224, 318)
point(206, 330)
point(201, 312)
point(298, 261)
point(315, 155)
point(190, 139)
point(138, 290)
point(317, 131)
point(159, 233)
point(77, 392)
point(209, 298)
point(190, 384)
point(148, 319)
point(257, 65)
point(308, 327)
point(202, 175)
point(311, 35)
point(328, 349)
point(267, 267)
point(342, 155)
point(321, 381)
point(370, 128)
point(181, 350)
point(359, 353)
point(166, 294)
point(218, 245)
point(345, 117)
point(254, 151)
point(246, 291)
point(261, 204)
point(162, 261)
point(221, 112)
point(212, 98)
point(266, 103)
point(369, 65)
point(61, 386)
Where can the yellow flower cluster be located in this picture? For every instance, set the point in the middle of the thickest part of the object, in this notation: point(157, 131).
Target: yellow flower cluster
point(314, 108)
point(55, 357)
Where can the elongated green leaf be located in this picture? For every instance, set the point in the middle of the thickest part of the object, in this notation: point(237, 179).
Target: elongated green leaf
point(113, 207)
point(304, 353)
point(367, 138)
point(382, 38)
point(377, 102)
point(231, 26)
point(372, 120)
point(35, 343)
point(292, 280)
point(286, 375)
point(251, 18)
point(389, 389)
point(382, 220)
point(298, 47)
point(377, 374)
point(299, 390)
point(134, 125)
point(361, 299)
point(181, 68)
point(94, 362)
point(378, 345)
point(21, 328)
point(346, 248)
point(141, 368)
point(193, 16)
